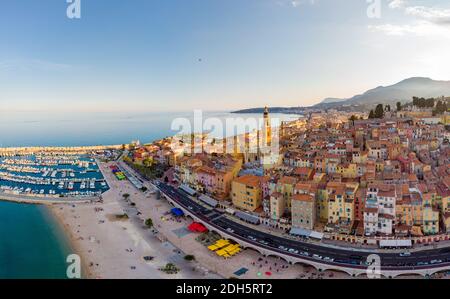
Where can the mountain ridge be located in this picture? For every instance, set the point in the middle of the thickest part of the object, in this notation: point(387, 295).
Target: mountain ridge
point(403, 91)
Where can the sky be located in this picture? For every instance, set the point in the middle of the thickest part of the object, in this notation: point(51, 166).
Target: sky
point(180, 55)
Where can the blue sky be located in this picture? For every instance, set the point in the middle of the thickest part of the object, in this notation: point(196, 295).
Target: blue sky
point(159, 55)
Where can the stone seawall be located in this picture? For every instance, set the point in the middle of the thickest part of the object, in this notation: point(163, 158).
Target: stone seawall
point(62, 149)
point(44, 199)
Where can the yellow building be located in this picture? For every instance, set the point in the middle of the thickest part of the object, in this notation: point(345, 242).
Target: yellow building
point(267, 129)
point(322, 204)
point(404, 211)
point(447, 222)
point(286, 186)
point(430, 221)
point(445, 203)
point(446, 119)
point(347, 170)
point(417, 208)
point(341, 201)
point(379, 165)
point(431, 213)
point(246, 192)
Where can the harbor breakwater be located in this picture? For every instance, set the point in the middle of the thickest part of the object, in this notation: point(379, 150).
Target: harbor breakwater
point(8, 151)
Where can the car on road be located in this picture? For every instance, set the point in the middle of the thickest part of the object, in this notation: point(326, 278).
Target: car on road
point(252, 238)
point(264, 242)
point(405, 254)
point(422, 264)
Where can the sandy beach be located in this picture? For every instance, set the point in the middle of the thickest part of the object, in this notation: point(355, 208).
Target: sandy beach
point(115, 248)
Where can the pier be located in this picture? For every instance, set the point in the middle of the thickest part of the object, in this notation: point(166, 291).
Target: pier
point(12, 151)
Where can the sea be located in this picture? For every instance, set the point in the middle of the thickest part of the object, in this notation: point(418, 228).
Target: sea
point(32, 245)
point(76, 129)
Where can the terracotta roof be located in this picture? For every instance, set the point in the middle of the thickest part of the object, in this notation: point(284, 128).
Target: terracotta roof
point(287, 180)
point(371, 210)
point(303, 197)
point(249, 180)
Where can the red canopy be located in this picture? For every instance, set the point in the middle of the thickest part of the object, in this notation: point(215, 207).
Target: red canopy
point(197, 227)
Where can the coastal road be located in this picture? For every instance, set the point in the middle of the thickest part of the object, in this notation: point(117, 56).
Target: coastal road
point(328, 255)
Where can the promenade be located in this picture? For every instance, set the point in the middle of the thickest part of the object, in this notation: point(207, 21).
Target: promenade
point(114, 248)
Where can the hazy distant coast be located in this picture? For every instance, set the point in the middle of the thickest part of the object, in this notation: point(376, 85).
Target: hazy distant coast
point(281, 110)
point(402, 91)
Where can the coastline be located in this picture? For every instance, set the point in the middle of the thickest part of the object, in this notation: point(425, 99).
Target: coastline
point(74, 246)
point(112, 248)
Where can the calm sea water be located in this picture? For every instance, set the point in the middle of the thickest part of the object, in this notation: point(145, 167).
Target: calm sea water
point(45, 129)
point(31, 244)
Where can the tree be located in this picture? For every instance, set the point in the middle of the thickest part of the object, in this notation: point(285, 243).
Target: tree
point(423, 103)
point(371, 114)
point(379, 111)
point(126, 196)
point(399, 106)
point(441, 107)
point(170, 269)
point(149, 223)
point(148, 162)
point(189, 257)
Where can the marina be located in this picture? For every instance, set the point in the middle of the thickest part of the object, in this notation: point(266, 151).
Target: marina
point(47, 175)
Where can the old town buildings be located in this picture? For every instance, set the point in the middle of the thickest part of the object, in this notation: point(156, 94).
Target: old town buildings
point(368, 177)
